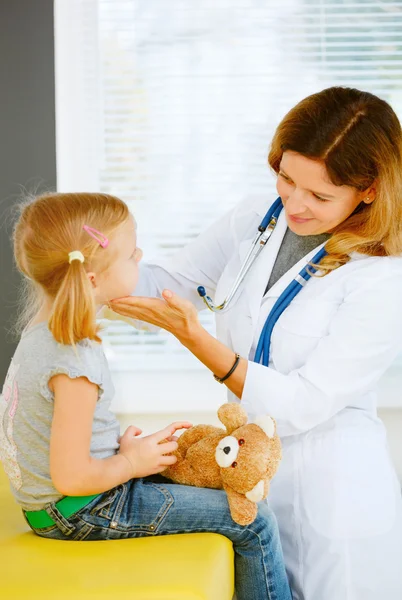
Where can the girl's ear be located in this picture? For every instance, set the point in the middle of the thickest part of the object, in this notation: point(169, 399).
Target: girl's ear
point(92, 279)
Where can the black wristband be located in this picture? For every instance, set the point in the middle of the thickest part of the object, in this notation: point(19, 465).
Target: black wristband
point(222, 379)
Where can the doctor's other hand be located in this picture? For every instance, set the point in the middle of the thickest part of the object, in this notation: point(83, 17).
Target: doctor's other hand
point(172, 313)
point(147, 455)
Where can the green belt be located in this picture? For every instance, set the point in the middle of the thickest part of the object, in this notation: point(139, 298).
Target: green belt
point(66, 506)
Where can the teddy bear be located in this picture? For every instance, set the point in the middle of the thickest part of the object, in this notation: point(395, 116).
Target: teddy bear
point(240, 460)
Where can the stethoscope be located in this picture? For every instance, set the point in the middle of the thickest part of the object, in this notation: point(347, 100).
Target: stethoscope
point(265, 230)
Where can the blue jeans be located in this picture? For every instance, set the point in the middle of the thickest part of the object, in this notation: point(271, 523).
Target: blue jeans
point(156, 506)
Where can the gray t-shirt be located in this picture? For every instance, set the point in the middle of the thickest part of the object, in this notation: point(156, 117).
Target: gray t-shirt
point(26, 411)
point(292, 249)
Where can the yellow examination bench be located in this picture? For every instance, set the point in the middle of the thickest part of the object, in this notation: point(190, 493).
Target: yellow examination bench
point(196, 566)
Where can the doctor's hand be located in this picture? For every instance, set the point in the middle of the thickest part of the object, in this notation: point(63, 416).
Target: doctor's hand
point(172, 313)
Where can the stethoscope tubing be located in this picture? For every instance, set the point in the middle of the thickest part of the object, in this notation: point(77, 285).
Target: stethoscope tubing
point(265, 230)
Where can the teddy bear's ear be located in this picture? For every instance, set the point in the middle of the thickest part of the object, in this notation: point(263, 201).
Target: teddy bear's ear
point(232, 415)
point(267, 424)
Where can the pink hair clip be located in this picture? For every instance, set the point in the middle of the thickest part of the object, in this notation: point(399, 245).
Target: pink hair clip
point(102, 240)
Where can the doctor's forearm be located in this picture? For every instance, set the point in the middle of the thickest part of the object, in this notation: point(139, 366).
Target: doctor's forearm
point(217, 357)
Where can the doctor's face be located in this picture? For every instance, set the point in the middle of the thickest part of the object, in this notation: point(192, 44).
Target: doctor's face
point(313, 204)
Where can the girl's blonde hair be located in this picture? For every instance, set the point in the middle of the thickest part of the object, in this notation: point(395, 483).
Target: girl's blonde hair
point(359, 139)
point(48, 229)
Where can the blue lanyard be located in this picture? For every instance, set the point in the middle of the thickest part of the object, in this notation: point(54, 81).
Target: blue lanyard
point(263, 347)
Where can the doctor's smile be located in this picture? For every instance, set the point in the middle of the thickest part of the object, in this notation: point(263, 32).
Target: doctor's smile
point(298, 219)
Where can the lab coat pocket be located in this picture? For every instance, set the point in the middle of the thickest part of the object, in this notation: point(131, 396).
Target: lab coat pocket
point(298, 332)
point(348, 486)
point(309, 318)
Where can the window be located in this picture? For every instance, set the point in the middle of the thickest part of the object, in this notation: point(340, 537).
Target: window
point(171, 106)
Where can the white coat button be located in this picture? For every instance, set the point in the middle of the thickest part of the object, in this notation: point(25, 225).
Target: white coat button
point(113, 524)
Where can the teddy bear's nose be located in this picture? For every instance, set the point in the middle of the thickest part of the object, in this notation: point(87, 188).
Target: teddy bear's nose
point(226, 449)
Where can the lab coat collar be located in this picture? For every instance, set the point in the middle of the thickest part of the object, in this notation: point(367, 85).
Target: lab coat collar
point(258, 277)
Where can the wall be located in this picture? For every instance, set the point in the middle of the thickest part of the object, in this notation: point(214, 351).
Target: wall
point(27, 125)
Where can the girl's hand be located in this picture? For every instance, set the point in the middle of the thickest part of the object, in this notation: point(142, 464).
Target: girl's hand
point(147, 455)
point(173, 313)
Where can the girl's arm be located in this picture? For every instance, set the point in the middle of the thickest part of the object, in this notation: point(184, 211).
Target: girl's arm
point(73, 470)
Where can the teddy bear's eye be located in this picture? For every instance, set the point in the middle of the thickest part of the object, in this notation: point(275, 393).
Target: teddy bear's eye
point(234, 464)
point(241, 442)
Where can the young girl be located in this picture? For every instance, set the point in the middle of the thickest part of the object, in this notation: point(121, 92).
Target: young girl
point(74, 478)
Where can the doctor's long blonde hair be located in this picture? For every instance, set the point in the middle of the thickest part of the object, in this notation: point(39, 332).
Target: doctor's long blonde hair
point(359, 139)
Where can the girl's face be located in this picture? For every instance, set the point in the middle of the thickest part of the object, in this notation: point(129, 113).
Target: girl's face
point(313, 204)
point(120, 279)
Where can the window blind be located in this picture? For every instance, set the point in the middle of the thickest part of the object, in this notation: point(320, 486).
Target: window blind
point(172, 105)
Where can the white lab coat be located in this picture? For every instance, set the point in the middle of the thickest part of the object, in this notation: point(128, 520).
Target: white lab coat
point(336, 495)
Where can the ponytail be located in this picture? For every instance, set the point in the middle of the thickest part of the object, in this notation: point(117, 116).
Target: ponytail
point(48, 227)
point(73, 315)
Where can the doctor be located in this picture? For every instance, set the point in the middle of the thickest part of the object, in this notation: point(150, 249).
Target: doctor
point(338, 160)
